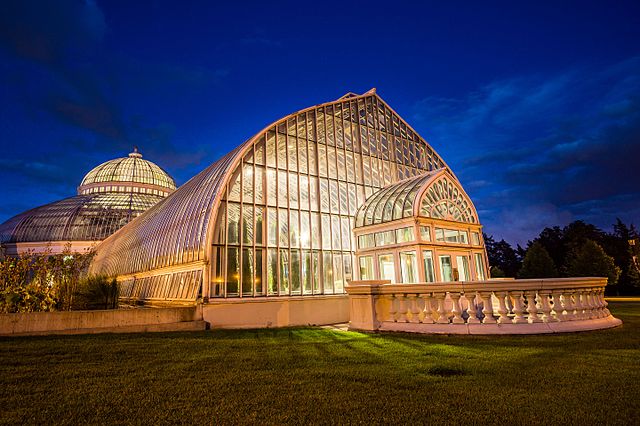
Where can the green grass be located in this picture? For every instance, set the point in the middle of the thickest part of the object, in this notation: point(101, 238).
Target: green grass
point(310, 375)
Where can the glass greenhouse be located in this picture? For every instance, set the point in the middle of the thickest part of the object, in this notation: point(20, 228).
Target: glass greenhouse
point(110, 196)
point(276, 216)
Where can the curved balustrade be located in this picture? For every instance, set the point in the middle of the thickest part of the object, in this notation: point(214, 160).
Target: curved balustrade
point(482, 307)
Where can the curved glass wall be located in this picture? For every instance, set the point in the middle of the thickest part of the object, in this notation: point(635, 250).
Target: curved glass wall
point(79, 218)
point(283, 204)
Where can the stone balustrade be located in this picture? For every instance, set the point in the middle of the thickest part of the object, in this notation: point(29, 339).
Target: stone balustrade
point(530, 306)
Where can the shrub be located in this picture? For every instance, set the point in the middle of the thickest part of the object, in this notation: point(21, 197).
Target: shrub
point(590, 260)
point(97, 292)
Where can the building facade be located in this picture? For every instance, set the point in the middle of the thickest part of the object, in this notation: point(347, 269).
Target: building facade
point(274, 218)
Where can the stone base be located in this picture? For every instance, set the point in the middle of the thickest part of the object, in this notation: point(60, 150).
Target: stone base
point(488, 329)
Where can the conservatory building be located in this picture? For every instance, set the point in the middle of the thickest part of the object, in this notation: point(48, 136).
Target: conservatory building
point(272, 232)
point(109, 196)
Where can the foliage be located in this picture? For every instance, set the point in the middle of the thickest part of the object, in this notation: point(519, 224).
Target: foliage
point(97, 292)
point(590, 260)
point(537, 263)
point(561, 243)
point(502, 255)
point(41, 282)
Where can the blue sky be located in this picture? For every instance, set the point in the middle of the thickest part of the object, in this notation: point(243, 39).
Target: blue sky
point(536, 106)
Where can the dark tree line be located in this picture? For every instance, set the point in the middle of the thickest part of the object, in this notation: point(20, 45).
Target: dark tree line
point(578, 249)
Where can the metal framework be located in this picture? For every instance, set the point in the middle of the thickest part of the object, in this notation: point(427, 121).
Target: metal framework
point(275, 216)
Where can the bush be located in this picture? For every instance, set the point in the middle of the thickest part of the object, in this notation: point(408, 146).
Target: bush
point(97, 292)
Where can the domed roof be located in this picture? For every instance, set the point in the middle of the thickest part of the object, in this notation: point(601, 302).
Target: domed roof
point(80, 218)
point(127, 174)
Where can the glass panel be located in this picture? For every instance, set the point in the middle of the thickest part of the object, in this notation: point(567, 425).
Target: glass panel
point(366, 268)
point(366, 241)
point(346, 233)
point(258, 273)
point(428, 266)
point(305, 233)
point(326, 232)
point(315, 272)
point(451, 235)
point(293, 191)
point(445, 268)
point(480, 267)
point(259, 190)
point(271, 149)
point(304, 193)
point(284, 272)
point(282, 151)
point(247, 183)
point(247, 224)
point(463, 268)
point(258, 228)
point(464, 237)
point(335, 232)
point(295, 272)
point(387, 267)
point(338, 277)
point(475, 238)
point(218, 234)
point(233, 274)
point(327, 269)
point(247, 272)
point(324, 195)
point(385, 237)
point(283, 192)
point(439, 234)
point(305, 272)
point(409, 267)
point(272, 226)
point(404, 235)
point(272, 184)
point(294, 228)
point(315, 231)
point(233, 223)
point(283, 222)
point(425, 233)
point(272, 271)
point(313, 194)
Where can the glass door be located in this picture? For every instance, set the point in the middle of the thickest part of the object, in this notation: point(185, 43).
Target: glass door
point(446, 268)
point(387, 267)
point(463, 268)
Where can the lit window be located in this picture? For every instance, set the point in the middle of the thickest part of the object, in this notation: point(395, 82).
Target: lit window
point(475, 238)
point(384, 238)
point(425, 233)
point(404, 235)
point(387, 267)
point(428, 266)
point(409, 267)
point(480, 267)
point(366, 268)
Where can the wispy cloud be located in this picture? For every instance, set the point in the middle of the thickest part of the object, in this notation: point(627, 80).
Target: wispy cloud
point(548, 148)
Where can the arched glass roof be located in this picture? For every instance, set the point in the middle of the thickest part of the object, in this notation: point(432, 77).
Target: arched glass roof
point(120, 174)
point(433, 194)
point(79, 218)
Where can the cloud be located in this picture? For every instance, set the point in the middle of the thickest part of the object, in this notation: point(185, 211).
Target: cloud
point(546, 148)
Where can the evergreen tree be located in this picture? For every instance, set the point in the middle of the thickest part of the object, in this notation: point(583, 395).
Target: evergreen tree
point(590, 260)
point(537, 263)
point(503, 256)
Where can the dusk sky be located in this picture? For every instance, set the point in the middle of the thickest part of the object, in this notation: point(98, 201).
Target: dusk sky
point(536, 107)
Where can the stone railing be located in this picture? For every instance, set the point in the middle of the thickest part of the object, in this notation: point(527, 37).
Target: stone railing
point(529, 306)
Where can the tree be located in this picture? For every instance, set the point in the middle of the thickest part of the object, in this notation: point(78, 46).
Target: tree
point(537, 263)
point(590, 260)
point(503, 256)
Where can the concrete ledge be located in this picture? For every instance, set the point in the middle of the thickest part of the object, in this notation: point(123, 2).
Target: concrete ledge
point(117, 320)
point(505, 329)
point(276, 311)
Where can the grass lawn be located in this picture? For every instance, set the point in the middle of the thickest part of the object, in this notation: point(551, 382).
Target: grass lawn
point(311, 375)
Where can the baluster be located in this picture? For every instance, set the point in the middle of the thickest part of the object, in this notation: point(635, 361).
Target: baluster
point(471, 308)
point(557, 306)
point(604, 303)
point(392, 307)
point(545, 307)
point(442, 313)
point(487, 308)
point(402, 308)
point(415, 312)
point(599, 303)
point(502, 310)
point(568, 305)
point(518, 307)
point(532, 309)
point(579, 304)
point(589, 310)
point(456, 310)
point(428, 312)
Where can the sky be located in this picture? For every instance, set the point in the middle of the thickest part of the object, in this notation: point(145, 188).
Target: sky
point(534, 105)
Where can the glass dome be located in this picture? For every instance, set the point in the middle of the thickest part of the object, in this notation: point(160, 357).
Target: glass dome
point(128, 174)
